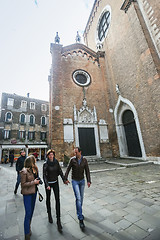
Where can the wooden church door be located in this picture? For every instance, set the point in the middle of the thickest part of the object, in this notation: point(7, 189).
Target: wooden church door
point(87, 141)
point(132, 138)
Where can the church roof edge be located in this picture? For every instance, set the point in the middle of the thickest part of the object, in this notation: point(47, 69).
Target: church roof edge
point(90, 15)
point(78, 46)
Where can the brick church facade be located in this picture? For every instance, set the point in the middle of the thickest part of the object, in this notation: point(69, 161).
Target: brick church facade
point(105, 93)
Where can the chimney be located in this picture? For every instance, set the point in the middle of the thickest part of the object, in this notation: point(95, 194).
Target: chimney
point(28, 95)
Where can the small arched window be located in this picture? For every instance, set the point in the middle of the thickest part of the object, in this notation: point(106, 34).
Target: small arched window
point(43, 121)
point(32, 120)
point(22, 118)
point(8, 117)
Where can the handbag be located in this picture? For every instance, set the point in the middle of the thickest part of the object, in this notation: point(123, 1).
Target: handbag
point(40, 196)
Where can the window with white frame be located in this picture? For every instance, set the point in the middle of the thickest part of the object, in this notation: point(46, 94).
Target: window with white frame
point(31, 135)
point(6, 134)
point(32, 105)
point(43, 121)
point(23, 104)
point(32, 119)
point(43, 136)
point(10, 102)
point(22, 134)
point(22, 118)
point(44, 107)
point(103, 25)
point(8, 117)
point(81, 77)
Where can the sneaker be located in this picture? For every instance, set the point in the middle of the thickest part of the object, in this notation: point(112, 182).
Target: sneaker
point(81, 224)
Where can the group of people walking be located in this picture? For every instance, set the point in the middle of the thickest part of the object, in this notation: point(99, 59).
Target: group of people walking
point(28, 175)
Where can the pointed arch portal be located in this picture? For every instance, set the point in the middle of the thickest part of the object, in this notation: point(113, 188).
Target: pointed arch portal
point(128, 130)
point(133, 145)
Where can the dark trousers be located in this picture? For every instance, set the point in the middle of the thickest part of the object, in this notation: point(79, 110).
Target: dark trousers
point(55, 187)
point(18, 181)
point(11, 161)
point(29, 204)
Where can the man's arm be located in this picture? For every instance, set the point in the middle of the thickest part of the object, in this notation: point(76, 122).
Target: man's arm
point(87, 171)
point(17, 165)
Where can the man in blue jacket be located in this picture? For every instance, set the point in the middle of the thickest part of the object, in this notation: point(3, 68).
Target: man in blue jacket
point(19, 166)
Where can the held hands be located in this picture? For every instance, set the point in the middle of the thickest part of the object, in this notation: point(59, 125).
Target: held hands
point(66, 182)
point(48, 188)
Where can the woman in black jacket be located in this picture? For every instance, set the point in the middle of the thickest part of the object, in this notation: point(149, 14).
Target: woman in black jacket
point(51, 171)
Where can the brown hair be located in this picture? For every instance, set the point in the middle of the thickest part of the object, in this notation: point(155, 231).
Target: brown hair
point(79, 149)
point(30, 162)
point(22, 150)
point(50, 151)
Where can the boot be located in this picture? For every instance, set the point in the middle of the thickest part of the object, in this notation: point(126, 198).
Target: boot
point(50, 219)
point(15, 191)
point(27, 237)
point(59, 225)
point(81, 224)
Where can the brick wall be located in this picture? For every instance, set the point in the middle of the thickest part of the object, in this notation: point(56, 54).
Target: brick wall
point(131, 62)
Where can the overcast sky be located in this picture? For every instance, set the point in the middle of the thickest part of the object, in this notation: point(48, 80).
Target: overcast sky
point(27, 27)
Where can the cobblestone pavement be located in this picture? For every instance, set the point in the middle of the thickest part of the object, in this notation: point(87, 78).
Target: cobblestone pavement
point(121, 204)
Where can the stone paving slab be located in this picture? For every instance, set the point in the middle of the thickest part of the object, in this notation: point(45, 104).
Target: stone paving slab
point(123, 204)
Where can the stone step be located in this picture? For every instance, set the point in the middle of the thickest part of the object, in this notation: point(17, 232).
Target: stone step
point(94, 160)
point(133, 164)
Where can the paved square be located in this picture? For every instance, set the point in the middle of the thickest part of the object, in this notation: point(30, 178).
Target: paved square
point(121, 204)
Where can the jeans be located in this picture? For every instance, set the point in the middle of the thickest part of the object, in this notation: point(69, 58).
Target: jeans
point(29, 204)
point(55, 187)
point(78, 188)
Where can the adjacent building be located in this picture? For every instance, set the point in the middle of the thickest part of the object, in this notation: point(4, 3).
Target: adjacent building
point(23, 125)
point(105, 94)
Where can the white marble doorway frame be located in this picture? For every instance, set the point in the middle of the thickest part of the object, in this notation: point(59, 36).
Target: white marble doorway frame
point(86, 118)
point(84, 125)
